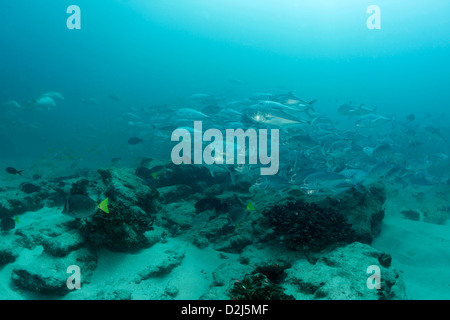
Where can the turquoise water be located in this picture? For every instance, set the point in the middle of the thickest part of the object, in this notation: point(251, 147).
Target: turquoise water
point(159, 51)
point(134, 64)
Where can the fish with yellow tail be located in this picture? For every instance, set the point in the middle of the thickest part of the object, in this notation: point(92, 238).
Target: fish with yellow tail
point(237, 214)
point(80, 206)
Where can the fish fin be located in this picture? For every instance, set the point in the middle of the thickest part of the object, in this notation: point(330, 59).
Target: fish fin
point(211, 172)
point(250, 206)
point(19, 172)
point(16, 219)
point(104, 206)
point(313, 120)
point(310, 107)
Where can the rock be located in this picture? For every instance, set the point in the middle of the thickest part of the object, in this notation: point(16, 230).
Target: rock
point(435, 216)
point(411, 215)
point(131, 208)
point(200, 242)
point(197, 177)
point(36, 233)
point(46, 281)
point(215, 293)
point(9, 248)
point(121, 185)
point(48, 275)
point(7, 255)
point(210, 203)
point(385, 260)
point(16, 202)
point(364, 211)
point(144, 173)
point(309, 226)
point(274, 270)
point(226, 274)
point(113, 294)
point(214, 190)
point(174, 193)
point(256, 286)
point(80, 187)
point(213, 229)
point(170, 261)
point(177, 216)
point(63, 244)
point(27, 187)
point(256, 256)
point(342, 275)
point(224, 277)
point(234, 244)
point(171, 290)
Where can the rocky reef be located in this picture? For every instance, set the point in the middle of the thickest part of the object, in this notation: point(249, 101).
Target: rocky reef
point(164, 218)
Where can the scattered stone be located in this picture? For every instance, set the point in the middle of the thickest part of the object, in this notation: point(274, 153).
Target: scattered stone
point(80, 187)
point(113, 294)
point(7, 255)
point(385, 259)
point(63, 244)
point(226, 274)
point(257, 286)
point(364, 211)
point(16, 202)
point(210, 203)
point(174, 193)
point(234, 244)
point(435, 216)
point(214, 190)
point(172, 260)
point(411, 215)
point(171, 290)
point(200, 242)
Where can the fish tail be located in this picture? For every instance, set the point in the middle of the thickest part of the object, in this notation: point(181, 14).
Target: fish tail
point(311, 122)
point(250, 206)
point(19, 172)
point(311, 106)
point(104, 206)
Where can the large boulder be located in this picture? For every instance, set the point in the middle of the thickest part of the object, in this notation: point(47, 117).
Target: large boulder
point(364, 210)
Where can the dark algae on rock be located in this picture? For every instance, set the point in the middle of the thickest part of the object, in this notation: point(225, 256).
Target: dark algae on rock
point(309, 226)
point(257, 286)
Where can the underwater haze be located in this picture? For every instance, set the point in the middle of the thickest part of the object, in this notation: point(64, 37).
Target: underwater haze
point(169, 49)
point(355, 103)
